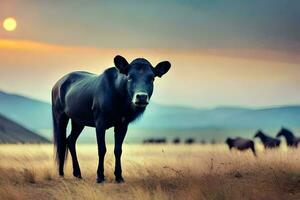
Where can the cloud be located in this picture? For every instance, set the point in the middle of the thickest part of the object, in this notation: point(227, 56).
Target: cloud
point(268, 24)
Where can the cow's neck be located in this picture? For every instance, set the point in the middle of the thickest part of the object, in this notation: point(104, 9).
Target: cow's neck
point(263, 137)
point(127, 110)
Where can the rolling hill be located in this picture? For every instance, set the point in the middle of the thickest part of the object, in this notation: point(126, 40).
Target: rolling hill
point(28, 112)
point(11, 132)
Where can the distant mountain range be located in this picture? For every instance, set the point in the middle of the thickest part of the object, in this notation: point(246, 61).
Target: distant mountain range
point(11, 132)
point(29, 112)
point(36, 115)
point(180, 118)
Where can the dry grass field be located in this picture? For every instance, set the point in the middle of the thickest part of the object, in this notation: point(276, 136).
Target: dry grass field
point(152, 172)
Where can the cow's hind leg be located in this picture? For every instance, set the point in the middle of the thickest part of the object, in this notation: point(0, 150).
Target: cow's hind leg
point(252, 146)
point(71, 141)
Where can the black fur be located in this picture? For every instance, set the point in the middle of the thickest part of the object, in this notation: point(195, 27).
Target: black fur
point(268, 141)
point(101, 101)
point(241, 144)
point(291, 140)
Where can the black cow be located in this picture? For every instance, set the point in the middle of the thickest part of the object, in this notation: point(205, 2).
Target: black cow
point(268, 141)
point(203, 141)
point(241, 144)
point(291, 140)
point(155, 141)
point(161, 140)
point(113, 99)
point(213, 141)
point(148, 141)
point(176, 140)
point(189, 141)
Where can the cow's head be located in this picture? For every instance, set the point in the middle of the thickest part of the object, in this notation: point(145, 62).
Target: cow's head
point(284, 132)
point(259, 133)
point(140, 75)
point(229, 141)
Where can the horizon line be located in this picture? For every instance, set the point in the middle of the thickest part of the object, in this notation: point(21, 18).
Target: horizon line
point(174, 105)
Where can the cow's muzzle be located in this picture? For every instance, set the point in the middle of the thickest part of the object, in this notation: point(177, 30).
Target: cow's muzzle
point(140, 99)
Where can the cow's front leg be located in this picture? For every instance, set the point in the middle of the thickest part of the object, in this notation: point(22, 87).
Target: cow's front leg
point(100, 133)
point(120, 132)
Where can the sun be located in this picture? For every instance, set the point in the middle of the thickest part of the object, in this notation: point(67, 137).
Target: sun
point(10, 24)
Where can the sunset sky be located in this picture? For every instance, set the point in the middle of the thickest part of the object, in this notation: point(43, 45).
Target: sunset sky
point(222, 53)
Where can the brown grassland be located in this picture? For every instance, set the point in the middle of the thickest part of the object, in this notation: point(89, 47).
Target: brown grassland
point(153, 172)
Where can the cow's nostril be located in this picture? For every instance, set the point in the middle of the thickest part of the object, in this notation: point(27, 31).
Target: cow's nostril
point(142, 97)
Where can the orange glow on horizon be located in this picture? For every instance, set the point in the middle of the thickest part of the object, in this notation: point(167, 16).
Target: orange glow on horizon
point(156, 54)
point(216, 73)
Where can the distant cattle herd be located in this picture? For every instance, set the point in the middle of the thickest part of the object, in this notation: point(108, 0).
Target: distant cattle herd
point(164, 140)
point(268, 141)
point(240, 143)
point(177, 140)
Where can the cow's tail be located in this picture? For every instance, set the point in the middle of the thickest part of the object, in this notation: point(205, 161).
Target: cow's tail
point(60, 141)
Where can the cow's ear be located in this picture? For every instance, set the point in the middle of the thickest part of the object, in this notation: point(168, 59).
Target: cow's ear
point(121, 64)
point(162, 68)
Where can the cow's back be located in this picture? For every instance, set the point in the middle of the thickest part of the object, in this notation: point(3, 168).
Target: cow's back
point(60, 88)
point(74, 88)
point(242, 144)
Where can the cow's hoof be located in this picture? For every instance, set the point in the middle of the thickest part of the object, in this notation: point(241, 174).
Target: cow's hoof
point(77, 175)
point(119, 180)
point(100, 179)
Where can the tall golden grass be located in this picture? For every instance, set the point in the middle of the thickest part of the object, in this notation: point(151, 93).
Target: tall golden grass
point(152, 172)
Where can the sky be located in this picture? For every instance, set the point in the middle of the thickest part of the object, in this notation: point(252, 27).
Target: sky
point(244, 53)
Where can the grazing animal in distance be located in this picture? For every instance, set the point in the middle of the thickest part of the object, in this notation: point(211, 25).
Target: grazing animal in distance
point(268, 141)
point(155, 141)
point(149, 141)
point(213, 141)
point(203, 141)
point(176, 140)
point(114, 98)
point(291, 140)
point(161, 140)
point(241, 144)
point(189, 141)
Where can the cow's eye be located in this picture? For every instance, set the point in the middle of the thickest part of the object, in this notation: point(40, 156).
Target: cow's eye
point(150, 79)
